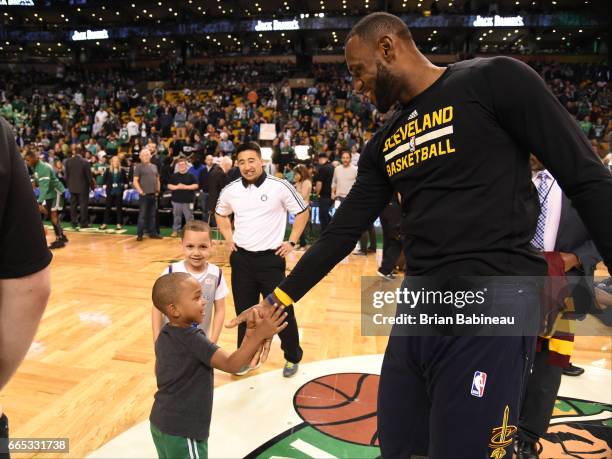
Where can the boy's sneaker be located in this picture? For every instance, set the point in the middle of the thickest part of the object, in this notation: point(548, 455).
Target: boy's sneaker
point(389, 276)
point(119, 227)
point(290, 369)
point(243, 371)
point(103, 227)
point(57, 244)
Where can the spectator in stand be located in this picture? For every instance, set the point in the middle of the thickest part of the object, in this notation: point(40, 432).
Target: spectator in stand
point(183, 186)
point(303, 185)
point(132, 129)
point(586, 126)
point(343, 179)
point(226, 145)
point(166, 118)
point(203, 181)
point(136, 148)
point(180, 119)
point(323, 182)
point(216, 181)
point(98, 169)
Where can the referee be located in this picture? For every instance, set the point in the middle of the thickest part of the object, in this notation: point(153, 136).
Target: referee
point(260, 204)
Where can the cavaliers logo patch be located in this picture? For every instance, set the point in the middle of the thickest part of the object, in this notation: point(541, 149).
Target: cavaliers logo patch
point(501, 437)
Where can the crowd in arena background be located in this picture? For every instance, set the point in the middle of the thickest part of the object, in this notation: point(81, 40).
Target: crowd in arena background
point(209, 109)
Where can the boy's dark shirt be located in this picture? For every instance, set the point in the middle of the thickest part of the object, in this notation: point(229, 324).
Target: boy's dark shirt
point(185, 381)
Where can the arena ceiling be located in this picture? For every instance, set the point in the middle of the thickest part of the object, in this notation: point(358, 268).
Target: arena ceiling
point(158, 28)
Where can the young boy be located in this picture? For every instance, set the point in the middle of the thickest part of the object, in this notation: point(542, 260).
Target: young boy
point(180, 417)
point(197, 246)
point(50, 197)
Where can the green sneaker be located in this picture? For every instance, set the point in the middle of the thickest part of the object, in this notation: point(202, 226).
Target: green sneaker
point(290, 369)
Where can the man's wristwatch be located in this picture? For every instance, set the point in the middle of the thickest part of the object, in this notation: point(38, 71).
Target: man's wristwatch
point(292, 243)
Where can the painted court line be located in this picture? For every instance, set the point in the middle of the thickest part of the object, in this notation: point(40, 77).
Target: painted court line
point(594, 417)
point(311, 450)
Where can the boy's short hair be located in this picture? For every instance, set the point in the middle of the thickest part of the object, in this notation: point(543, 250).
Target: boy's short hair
point(166, 289)
point(196, 226)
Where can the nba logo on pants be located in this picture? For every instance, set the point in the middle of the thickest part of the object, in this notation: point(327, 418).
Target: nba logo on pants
point(478, 383)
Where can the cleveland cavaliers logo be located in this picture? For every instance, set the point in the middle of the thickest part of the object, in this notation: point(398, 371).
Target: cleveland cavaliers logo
point(264, 197)
point(501, 437)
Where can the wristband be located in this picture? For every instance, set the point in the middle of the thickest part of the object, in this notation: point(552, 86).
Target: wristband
point(292, 243)
point(270, 299)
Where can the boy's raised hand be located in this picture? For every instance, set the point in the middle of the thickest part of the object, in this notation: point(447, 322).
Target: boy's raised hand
point(267, 327)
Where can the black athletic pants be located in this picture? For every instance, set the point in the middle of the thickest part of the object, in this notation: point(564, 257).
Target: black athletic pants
point(255, 274)
point(426, 401)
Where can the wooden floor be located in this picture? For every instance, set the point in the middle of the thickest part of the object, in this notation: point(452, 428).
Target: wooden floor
point(89, 374)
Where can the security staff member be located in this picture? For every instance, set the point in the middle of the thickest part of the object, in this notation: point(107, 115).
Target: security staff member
point(260, 204)
point(457, 150)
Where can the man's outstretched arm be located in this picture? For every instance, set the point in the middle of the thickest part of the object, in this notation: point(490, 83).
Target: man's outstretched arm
point(366, 200)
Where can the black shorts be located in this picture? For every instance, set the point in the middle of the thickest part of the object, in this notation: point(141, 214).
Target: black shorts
point(55, 204)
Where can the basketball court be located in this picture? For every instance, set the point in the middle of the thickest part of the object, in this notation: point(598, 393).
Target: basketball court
point(89, 375)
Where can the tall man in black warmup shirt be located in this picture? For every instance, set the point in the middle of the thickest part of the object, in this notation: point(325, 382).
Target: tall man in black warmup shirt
point(457, 150)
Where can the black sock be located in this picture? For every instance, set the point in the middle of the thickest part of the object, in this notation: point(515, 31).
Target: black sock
point(58, 230)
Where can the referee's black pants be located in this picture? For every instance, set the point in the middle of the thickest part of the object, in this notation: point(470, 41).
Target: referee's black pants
point(259, 273)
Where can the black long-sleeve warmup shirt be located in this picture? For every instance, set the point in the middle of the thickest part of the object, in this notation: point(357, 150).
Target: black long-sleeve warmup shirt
point(458, 153)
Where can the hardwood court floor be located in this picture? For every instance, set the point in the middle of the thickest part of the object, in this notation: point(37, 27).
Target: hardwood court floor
point(89, 374)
